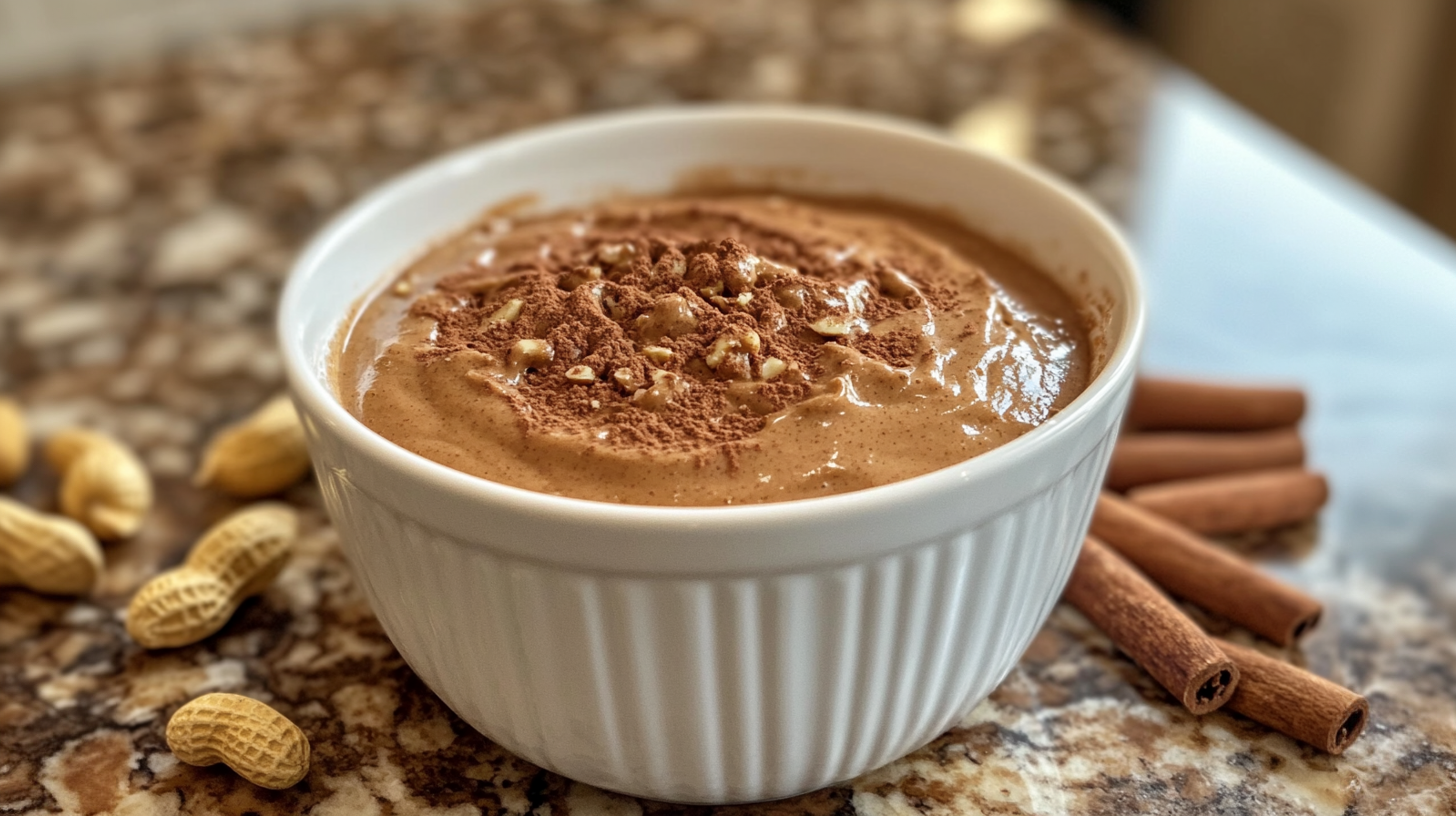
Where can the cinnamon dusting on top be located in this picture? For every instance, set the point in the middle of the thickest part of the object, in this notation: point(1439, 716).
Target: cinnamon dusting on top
point(668, 341)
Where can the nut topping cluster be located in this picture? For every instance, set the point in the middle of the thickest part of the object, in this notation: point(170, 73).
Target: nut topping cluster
point(625, 324)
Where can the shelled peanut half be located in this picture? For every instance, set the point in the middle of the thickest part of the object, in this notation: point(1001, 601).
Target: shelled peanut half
point(1205, 459)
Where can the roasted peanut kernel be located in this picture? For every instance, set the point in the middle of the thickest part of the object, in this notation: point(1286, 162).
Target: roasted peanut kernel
point(402, 288)
point(580, 276)
point(657, 354)
point(740, 277)
point(772, 367)
point(770, 271)
point(751, 341)
point(719, 350)
point(530, 353)
point(509, 312)
point(671, 316)
point(616, 253)
point(895, 283)
point(746, 340)
point(712, 290)
point(613, 308)
point(581, 374)
point(791, 295)
point(625, 378)
point(833, 326)
point(665, 386)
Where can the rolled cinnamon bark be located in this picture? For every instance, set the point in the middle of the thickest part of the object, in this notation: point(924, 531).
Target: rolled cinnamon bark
point(1150, 629)
point(1144, 458)
point(1203, 573)
point(1238, 502)
point(1296, 702)
point(1182, 405)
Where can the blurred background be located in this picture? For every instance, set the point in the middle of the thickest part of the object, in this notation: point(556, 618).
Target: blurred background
point(1368, 84)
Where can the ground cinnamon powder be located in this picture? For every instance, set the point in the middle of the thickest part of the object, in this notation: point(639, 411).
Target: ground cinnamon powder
point(608, 305)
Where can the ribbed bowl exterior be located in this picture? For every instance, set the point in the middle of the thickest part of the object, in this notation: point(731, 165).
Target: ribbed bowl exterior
point(716, 688)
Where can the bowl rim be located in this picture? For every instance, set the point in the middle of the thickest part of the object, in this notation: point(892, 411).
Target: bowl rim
point(312, 392)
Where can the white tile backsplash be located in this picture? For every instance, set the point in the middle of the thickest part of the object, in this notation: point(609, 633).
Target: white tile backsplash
point(43, 36)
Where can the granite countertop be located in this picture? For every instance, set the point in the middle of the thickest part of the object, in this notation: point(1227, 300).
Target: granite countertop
point(147, 217)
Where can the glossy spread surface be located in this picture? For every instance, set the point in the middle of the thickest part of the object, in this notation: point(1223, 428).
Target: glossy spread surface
point(713, 350)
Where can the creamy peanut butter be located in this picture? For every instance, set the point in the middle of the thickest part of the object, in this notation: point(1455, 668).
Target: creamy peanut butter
point(711, 350)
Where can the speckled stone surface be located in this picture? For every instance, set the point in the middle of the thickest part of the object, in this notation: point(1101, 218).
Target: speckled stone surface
point(147, 216)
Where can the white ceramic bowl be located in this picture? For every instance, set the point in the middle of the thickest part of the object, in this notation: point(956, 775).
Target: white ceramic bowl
point(713, 654)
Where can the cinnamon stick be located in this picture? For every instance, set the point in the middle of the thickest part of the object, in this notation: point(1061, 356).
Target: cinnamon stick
point(1167, 404)
point(1296, 702)
point(1204, 573)
point(1150, 629)
point(1143, 458)
point(1236, 503)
